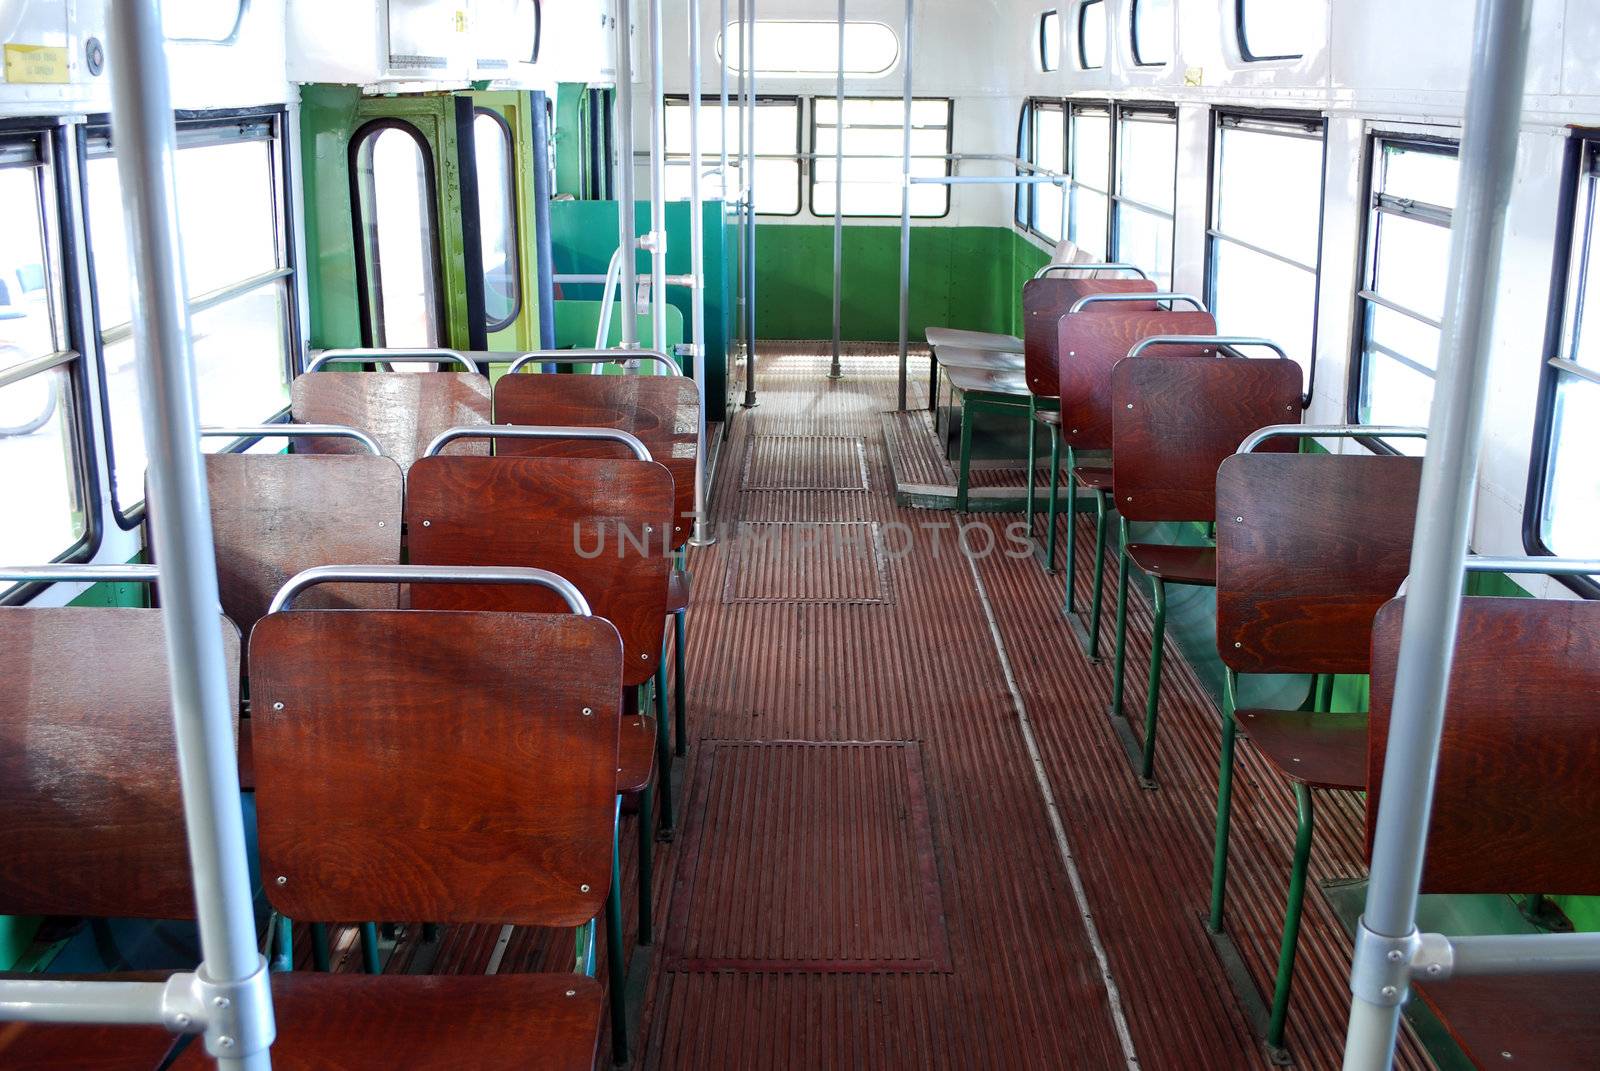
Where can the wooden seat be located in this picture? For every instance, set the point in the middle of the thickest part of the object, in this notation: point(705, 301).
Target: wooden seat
point(1514, 806)
point(988, 380)
point(983, 389)
point(679, 586)
point(1093, 477)
point(403, 411)
point(353, 1022)
point(1309, 548)
point(1045, 301)
point(961, 357)
point(978, 340)
point(79, 1047)
point(1176, 564)
point(636, 754)
point(506, 816)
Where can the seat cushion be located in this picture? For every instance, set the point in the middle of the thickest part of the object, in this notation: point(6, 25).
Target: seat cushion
point(1178, 565)
point(678, 590)
point(1320, 750)
point(636, 752)
point(1546, 1021)
point(977, 340)
point(362, 1022)
point(1093, 477)
point(51, 1047)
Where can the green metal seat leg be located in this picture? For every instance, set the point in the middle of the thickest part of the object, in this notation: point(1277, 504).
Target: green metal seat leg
point(1101, 515)
point(617, 970)
point(680, 659)
point(1219, 852)
point(1033, 458)
point(1069, 604)
point(283, 943)
point(1054, 506)
point(1293, 912)
point(663, 751)
point(320, 955)
point(964, 476)
point(1122, 625)
point(647, 839)
point(369, 948)
point(1152, 700)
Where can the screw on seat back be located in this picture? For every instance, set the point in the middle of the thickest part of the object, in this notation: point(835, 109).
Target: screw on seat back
point(663, 412)
point(600, 523)
point(275, 515)
point(403, 411)
point(88, 764)
point(448, 767)
point(1309, 546)
point(1515, 807)
point(1091, 343)
point(1176, 419)
point(1045, 301)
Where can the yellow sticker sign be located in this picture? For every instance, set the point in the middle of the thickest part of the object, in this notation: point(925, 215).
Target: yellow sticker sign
point(35, 64)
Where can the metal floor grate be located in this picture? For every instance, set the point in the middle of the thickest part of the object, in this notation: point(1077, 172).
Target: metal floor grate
point(805, 463)
point(805, 562)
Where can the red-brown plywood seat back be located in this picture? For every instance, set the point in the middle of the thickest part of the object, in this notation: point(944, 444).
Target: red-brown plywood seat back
point(1176, 419)
point(88, 764)
point(1089, 346)
point(1045, 301)
point(275, 515)
point(663, 412)
point(1515, 806)
point(1309, 546)
point(449, 766)
point(403, 411)
point(584, 518)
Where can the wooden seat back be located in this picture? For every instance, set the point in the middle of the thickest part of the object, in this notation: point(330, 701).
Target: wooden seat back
point(275, 515)
point(1309, 546)
point(1515, 807)
point(403, 411)
point(88, 764)
point(1176, 419)
point(1046, 300)
point(1091, 343)
point(663, 412)
point(452, 767)
point(584, 518)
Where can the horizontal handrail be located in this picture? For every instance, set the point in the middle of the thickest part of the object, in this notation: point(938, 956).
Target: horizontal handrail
point(612, 356)
point(510, 431)
point(1108, 266)
point(1436, 956)
point(50, 1000)
point(1330, 431)
point(293, 431)
point(1095, 299)
point(1222, 342)
point(383, 356)
point(1550, 566)
point(63, 573)
point(429, 574)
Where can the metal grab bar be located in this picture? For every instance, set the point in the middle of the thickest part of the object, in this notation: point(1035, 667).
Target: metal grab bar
point(1108, 266)
point(1548, 566)
point(293, 431)
point(1094, 299)
point(1330, 431)
point(429, 574)
point(89, 574)
point(1224, 343)
point(509, 431)
point(595, 356)
point(382, 356)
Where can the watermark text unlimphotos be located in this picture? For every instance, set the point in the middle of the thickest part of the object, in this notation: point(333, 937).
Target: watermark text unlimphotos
point(775, 540)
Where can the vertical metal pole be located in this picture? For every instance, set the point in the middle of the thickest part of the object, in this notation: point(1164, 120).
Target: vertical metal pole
point(543, 248)
point(722, 116)
point(658, 207)
point(744, 177)
point(1444, 516)
point(180, 527)
point(697, 268)
point(750, 214)
point(834, 371)
point(625, 172)
point(905, 202)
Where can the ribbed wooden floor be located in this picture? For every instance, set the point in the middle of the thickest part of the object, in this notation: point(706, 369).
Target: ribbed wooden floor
point(969, 876)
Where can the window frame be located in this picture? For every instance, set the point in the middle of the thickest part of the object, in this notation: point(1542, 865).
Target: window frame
point(1108, 108)
point(1114, 196)
point(1361, 299)
point(191, 124)
point(514, 214)
point(1026, 214)
point(734, 158)
point(358, 138)
point(1083, 15)
point(1044, 44)
point(949, 148)
point(1286, 123)
point(1133, 40)
point(1242, 37)
point(737, 69)
point(1580, 169)
point(50, 140)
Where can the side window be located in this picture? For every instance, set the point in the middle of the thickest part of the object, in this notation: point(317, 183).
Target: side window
point(1265, 234)
point(1568, 503)
point(777, 173)
point(1089, 206)
point(872, 130)
point(397, 239)
point(1048, 150)
point(1147, 175)
point(42, 456)
point(809, 48)
point(1276, 29)
point(1092, 34)
point(1152, 32)
point(236, 259)
point(497, 218)
point(204, 21)
point(1401, 301)
point(1050, 41)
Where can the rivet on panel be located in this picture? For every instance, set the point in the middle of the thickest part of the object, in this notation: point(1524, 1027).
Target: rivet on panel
point(427, 524)
point(277, 706)
point(1238, 520)
point(583, 888)
point(1237, 644)
point(383, 524)
point(587, 711)
point(1130, 405)
point(282, 880)
point(572, 992)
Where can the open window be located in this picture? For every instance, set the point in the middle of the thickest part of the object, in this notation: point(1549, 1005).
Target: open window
point(397, 235)
point(873, 131)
